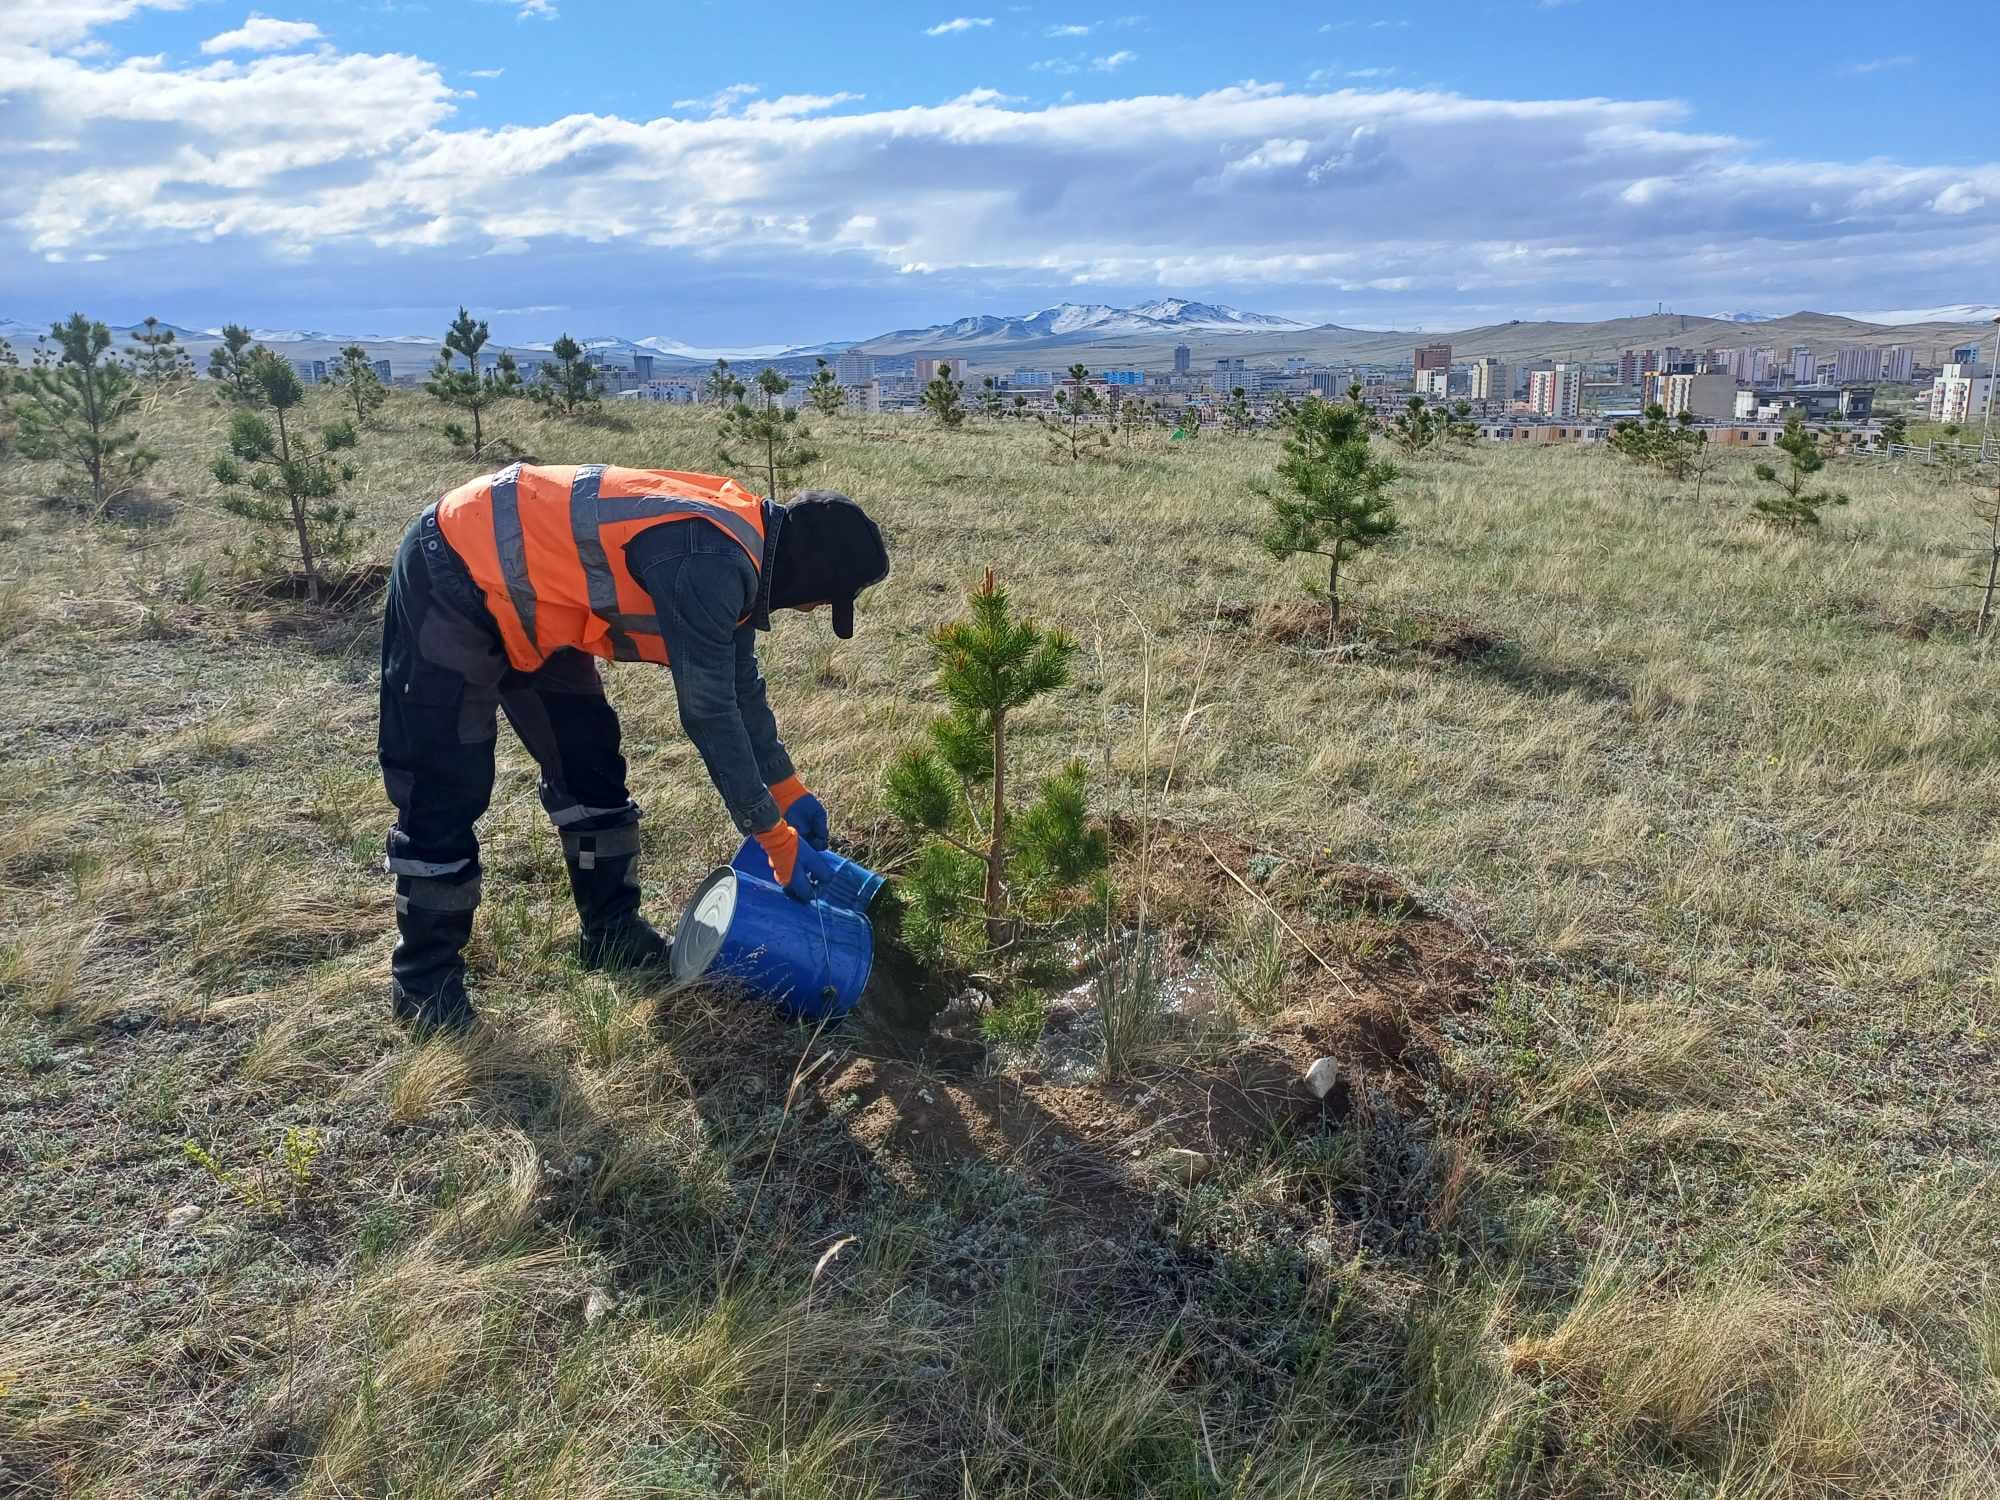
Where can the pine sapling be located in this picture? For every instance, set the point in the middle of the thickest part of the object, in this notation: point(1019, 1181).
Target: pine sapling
point(944, 398)
point(229, 362)
point(471, 389)
point(157, 356)
point(986, 872)
point(567, 383)
point(360, 386)
point(1334, 497)
point(72, 408)
point(1075, 403)
point(292, 479)
point(768, 437)
point(1794, 505)
point(824, 390)
point(721, 388)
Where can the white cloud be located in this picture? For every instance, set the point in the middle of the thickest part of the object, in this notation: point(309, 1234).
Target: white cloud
point(1959, 198)
point(958, 23)
point(1881, 64)
point(485, 72)
point(61, 23)
point(261, 33)
point(985, 96)
point(357, 158)
point(1066, 31)
point(534, 10)
point(1112, 62)
point(723, 100)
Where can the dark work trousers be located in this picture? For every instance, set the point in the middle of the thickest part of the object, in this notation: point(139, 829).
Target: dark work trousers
point(444, 671)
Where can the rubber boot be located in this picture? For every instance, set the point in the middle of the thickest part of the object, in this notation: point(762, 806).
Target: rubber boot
point(427, 983)
point(604, 879)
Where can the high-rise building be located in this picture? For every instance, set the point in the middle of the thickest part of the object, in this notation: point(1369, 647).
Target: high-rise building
point(1856, 365)
point(1183, 359)
point(381, 369)
point(1801, 365)
point(1898, 364)
point(642, 367)
point(1431, 357)
point(1121, 377)
point(1557, 392)
point(1434, 385)
point(927, 370)
point(852, 367)
point(1960, 393)
point(1965, 354)
point(1492, 380)
point(1711, 395)
point(1229, 366)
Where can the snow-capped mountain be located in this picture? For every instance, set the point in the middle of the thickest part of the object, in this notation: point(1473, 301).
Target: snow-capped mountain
point(1744, 317)
point(1093, 320)
point(1959, 312)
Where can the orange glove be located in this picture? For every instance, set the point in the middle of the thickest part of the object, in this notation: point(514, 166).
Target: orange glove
point(796, 864)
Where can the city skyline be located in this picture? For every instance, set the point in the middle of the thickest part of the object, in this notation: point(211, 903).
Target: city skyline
point(322, 166)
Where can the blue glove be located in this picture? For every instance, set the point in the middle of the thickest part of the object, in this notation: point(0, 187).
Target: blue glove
point(802, 810)
point(798, 866)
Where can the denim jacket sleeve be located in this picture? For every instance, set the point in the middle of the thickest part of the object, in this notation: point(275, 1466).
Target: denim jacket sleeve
point(701, 584)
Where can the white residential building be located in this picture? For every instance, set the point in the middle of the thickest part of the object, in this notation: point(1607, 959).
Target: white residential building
point(1557, 392)
point(1898, 364)
point(1960, 394)
point(1492, 380)
point(1434, 385)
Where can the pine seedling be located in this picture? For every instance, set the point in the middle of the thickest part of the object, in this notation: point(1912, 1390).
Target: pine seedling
point(720, 388)
point(824, 391)
point(157, 356)
point(1236, 411)
point(1075, 403)
point(1334, 498)
point(471, 389)
point(567, 384)
point(1794, 506)
point(1415, 427)
point(985, 873)
point(944, 398)
point(360, 386)
point(292, 479)
point(229, 362)
point(72, 408)
point(769, 437)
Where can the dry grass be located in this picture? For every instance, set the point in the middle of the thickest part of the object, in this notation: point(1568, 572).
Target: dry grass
point(1699, 1205)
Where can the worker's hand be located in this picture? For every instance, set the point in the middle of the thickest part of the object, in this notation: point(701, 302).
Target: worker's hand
point(802, 810)
point(798, 866)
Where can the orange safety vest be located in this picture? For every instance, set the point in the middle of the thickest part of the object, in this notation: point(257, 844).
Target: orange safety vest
point(546, 545)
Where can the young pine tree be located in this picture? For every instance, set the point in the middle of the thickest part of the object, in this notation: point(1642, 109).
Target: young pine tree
point(229, 362)
point(1236, 411)
point(360, 386)
point(1334, 498)
point(157, 356)
point(769, 437)
point(72, 407)
point(824, 391)
point(471, 390)
point(989, 398)
point(1795, 506)
point(1415, 427)
point(568, 383)
point(1075, 403)
point(721, 388)
point(292, 478)
point(986, 875)
point(944, 398)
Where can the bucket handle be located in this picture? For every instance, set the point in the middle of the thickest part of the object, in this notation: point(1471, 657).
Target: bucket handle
point(828, 993)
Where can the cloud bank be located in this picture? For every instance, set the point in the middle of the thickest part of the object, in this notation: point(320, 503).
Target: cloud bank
point(353, 160)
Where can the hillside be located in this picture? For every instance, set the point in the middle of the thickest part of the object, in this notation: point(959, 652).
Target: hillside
point(1144, 337)
point(1632, 863)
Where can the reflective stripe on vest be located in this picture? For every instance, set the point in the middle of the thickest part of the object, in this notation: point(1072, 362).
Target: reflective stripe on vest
point(535, 541)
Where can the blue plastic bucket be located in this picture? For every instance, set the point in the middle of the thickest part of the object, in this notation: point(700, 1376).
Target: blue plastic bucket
point(853, 886)
point(811, 959)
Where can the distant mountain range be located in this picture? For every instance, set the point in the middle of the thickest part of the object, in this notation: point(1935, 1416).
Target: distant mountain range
point(1144, 336)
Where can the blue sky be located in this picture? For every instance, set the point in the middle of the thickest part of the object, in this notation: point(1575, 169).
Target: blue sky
point(724, 174)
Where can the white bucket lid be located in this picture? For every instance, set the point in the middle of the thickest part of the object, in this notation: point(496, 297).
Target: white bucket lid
point(704, 924)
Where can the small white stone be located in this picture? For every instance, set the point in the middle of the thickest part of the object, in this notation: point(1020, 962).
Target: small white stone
point(598, 1306)
point(1321, 1077)
point(183, 1216)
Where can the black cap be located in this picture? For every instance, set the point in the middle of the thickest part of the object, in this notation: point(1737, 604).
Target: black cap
point(828, 551)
